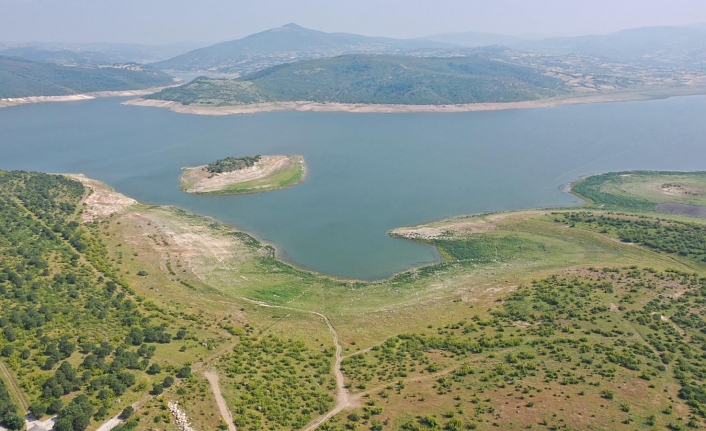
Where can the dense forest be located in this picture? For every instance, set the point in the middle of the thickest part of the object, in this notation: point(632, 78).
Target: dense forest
point(25, 78)
point(374, 80)
point(71, 330)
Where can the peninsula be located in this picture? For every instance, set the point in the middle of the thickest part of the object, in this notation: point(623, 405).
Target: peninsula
point(240, 175)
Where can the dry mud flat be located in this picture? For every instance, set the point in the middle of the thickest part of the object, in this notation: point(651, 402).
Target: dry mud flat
point(199, 180)
point(14, 101)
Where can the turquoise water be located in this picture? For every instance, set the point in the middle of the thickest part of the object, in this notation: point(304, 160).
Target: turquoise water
point(368, 173)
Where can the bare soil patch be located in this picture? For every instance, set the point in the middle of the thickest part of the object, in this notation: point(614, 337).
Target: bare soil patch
point(683, 209)
point(102, 201)
point(189, 243)
point(455, 227)
point(673, 190)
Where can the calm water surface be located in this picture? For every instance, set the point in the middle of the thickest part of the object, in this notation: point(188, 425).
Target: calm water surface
point(368, 173)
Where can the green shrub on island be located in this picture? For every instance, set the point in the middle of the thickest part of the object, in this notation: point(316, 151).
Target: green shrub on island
point(230, 164)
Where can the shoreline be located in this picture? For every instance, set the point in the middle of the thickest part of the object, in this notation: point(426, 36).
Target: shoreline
point(125, 204)
point(636, 95)
point(16, 101)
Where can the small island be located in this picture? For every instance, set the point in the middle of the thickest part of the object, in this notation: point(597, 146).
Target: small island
point(240, 175)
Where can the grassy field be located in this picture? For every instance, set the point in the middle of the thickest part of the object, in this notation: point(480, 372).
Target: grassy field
point(640, 191)
point(588, 318)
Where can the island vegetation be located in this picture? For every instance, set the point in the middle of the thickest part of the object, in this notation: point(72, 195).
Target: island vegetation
point(240, 175)
point(230, 164)
point(579, 318)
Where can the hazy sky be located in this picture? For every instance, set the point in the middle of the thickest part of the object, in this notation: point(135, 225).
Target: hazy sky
point(163, 21)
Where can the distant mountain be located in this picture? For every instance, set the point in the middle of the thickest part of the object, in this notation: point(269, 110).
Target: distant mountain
point(64, 57)
point(94, 53)
point(377, 79)
point(23, 78)
point(474, 39)
point(285, 45)
point(655, 46)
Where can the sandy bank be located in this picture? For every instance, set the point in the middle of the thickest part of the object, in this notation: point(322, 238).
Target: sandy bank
point(14, 101)
point(102, 201)
point(647, 93)
point(199, 180)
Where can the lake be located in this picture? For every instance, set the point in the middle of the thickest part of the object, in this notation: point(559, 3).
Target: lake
point(368, 173)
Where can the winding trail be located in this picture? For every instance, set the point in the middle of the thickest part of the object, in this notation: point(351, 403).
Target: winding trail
point(222, 406)
point(342, 395)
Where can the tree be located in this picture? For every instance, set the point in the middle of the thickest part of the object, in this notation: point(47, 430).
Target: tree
point(154, 369)
point(127, 412)
point(76, 416)
point(168, 381)
point(55, 406)
point(157, 389)
point(8, 350)
point(38, 410)
point(14, 422)
point(184, 372)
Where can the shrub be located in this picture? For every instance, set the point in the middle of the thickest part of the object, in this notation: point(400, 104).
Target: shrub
point(184, 372)
point(127, 412)
point(168, 381)
point(38, 410)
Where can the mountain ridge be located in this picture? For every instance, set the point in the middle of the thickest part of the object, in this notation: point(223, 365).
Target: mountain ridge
point(20, 77)
point(373, 79)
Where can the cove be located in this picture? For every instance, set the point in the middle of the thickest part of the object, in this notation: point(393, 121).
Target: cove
point(367, 173)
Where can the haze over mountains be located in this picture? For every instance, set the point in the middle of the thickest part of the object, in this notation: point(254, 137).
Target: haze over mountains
point(95, 53)
point(656, 46)
point(287, 44)
point(652, 47)
point(25, 78)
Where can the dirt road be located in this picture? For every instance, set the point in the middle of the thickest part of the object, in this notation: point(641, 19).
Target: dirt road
point(225, 413)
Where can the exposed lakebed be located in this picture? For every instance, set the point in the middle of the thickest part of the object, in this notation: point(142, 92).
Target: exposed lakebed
point(366, 173)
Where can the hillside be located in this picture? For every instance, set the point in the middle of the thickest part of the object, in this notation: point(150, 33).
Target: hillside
point(73, 53)
point(591, 316)
point(284, 45)
point(25, 78)
point(374, 80)
point(654, 46)
point(474, 39)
